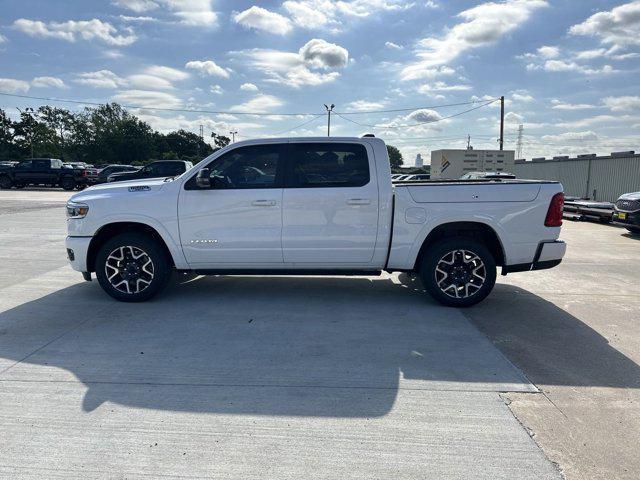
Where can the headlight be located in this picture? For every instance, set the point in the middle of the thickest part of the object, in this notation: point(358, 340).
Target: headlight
point(77, 210)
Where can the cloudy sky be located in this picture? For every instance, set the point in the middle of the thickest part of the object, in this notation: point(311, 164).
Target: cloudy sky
point(569, 69)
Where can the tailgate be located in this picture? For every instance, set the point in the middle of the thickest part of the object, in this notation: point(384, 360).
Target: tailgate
point(474, 193)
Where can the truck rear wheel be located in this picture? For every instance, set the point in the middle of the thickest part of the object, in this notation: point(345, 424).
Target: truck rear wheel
point(5, 182)
point(68, 183)
point(458, 272)
point(132, 267)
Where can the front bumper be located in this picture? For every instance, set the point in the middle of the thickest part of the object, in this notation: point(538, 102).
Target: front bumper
point(628, 218)
point(77, 250)
point(548, 255)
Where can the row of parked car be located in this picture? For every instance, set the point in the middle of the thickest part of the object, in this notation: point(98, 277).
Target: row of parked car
point(53, 172)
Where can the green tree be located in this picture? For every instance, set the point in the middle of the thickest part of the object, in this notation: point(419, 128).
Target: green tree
point(220, 141)
point(395, 157)
point(187, 145)
point(58, 122)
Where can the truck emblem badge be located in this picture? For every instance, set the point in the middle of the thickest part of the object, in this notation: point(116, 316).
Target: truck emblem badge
point(139, 188)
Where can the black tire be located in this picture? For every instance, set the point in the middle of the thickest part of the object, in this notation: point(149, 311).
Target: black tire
point(68, 183)
point(456, 285)
point(634, 230)
point(128, 246)
point(5, 182)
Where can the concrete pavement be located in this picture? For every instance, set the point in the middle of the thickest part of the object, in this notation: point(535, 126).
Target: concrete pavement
point(237, 377)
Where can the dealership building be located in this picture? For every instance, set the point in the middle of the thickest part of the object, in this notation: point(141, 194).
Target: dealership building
point(455, 163)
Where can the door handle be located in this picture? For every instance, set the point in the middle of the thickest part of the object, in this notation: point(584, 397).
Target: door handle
point(263, 203)
point(359, 201)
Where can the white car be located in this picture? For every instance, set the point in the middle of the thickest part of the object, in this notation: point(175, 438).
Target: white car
point(315, 206)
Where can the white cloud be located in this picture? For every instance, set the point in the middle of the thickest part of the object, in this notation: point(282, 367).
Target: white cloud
point(262, 19)
point(619, 27)
point(513, 118)
point(549, 52)
point(570, 66)
point(393, 46)
point(424, 116)
point(45, 82)
point(622, 104)
point(147, 99)
point(144, 81)
point(3, 39)
point(483, 25)
point(301, 68)
point(314, 14)
point(100, 79)
point(169, 73)
point(308, 14)
point(322, 54)
point(137, 6)
point(248, 87)
point(591, 54)
point(208, 67)
point(259, 104)
point(364, 105)
point(216, 89)
point(559, 105)
point(442, 87)
point(71, 30)
point(11, 85)
point(140, 19)
point(588, 135)
point(521, 96)
point(198, 13)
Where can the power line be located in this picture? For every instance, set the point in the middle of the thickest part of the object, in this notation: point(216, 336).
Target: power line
point(419, 123)
point(301, 125)
point(362, 112)
point(147, 107)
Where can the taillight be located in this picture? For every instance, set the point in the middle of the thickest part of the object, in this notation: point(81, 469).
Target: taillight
point(85, 173)
point(554, 214)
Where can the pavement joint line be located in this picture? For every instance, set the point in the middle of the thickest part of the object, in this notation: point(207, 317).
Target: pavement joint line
point(93, 471)
point(261, 385)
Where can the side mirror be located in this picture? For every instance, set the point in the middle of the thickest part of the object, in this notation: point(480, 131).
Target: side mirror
point(202, 179)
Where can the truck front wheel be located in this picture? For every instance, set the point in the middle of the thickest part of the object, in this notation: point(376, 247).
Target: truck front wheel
point(132, 267)
point(458, 272)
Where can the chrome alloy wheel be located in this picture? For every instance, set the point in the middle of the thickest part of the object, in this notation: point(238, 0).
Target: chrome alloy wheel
point(460, 273)
point(129, 269)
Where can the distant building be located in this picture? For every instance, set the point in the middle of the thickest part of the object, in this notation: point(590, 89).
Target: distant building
point(419, 161)
point(455, 163)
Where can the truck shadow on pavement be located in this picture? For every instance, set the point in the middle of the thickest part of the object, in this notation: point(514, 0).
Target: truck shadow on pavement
point(326, 347)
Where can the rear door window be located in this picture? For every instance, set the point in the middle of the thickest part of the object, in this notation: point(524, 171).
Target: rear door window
point(317, 165)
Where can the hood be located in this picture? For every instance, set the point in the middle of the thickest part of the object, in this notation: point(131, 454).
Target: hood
point(630, 196)
point(128, 187)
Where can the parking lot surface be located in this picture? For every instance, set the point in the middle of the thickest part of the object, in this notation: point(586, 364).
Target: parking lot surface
point(263, 377)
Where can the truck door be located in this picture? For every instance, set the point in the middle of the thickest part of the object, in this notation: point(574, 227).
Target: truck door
point(23, 172)
point(330, 204)
point(238, 222)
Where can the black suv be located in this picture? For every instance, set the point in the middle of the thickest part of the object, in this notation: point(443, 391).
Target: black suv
point(161, 168)
point(42, 171)
point(627, 211)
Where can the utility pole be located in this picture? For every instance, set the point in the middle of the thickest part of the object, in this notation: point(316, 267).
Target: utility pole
point(468, 142)
point(501, 122)
point(329, 110)
point(233, 135)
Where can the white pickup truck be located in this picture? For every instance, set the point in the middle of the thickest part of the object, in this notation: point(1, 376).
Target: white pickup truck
point(312, 206)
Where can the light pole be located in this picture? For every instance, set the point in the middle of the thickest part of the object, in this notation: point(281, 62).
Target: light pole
point(233, 136)
point(329, 110)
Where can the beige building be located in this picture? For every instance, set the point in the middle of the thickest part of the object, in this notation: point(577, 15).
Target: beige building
point(455, 163)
